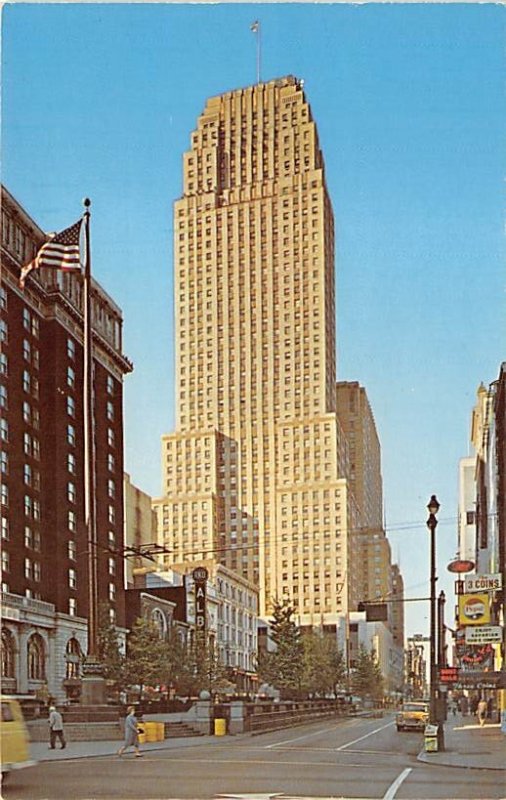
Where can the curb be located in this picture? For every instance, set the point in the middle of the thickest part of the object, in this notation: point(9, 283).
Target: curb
point(422, 757)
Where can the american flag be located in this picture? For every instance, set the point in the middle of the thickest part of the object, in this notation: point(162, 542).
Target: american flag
point(60, 252)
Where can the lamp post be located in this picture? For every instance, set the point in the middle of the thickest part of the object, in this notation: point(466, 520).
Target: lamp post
point(433, 508)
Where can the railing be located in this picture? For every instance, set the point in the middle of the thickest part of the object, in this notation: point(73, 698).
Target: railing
point(272, 716)
point(26, 603)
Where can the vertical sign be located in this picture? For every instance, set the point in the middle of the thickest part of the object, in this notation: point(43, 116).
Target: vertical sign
point(200, 575)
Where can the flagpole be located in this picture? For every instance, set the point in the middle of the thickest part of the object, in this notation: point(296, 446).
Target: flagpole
point(89, 455)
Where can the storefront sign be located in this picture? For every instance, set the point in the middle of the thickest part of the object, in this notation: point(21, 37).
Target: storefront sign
point(474, 609)
point(200, 575)
point(481, 680)
point(483, 634)
point(483, 583)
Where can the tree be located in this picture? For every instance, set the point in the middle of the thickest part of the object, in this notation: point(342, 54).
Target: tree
point(108, 648)
point(324, 667)
point(147, 655)
point(284, 668)
point(206, 670)
point(367, 679)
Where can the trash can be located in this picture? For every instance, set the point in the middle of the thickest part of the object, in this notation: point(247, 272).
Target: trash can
point(220, 727)
point(160, 731)
point(431, 739)
point(150, 731)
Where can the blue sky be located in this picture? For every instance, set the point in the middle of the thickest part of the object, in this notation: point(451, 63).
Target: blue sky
point(100, 100)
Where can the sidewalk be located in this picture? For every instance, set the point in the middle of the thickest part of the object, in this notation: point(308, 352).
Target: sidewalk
point(40, 751)
point(468, 745)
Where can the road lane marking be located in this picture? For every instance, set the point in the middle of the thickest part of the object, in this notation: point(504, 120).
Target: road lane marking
point(371, 733)
point(305, 736)
point(391, 792)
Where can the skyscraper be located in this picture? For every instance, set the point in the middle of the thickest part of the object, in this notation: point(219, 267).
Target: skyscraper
point(255, 473)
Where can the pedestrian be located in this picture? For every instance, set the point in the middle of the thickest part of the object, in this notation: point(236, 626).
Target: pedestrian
point(56, 729)
point(482, 712)
point(131, 733)
point(474, 705)
point(464, 705)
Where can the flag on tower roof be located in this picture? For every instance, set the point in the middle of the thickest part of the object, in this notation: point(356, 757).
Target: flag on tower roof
point(60, 252)
point(255, 26)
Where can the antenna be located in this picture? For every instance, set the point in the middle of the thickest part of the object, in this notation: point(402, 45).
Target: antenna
point(255, 27)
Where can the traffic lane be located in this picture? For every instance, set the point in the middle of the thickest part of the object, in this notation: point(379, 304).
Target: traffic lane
point(167, 775)
point(432, 782)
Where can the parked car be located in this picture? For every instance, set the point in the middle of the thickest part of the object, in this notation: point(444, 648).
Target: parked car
point(15, 745)
point(412, 716)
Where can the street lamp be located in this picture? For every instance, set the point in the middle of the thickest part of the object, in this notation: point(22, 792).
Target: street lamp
point(433, 508)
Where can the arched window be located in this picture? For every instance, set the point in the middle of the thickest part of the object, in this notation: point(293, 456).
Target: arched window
point(36, 658)
point(8, 654)
point(72, 658)
point(158, 618)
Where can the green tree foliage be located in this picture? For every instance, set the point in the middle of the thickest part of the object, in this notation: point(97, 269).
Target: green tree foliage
point(284, 668)
point(147, 655)
point(108, 649)
point(367, 680)
point(324, 666)
point(207, 671)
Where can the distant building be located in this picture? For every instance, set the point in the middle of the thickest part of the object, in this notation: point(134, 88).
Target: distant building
point(417, 661)
point(467, 508)
point(140, 528)
point(44, 542)
point(396, 607)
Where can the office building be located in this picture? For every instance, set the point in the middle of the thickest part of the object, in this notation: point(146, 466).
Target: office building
point(255, 473)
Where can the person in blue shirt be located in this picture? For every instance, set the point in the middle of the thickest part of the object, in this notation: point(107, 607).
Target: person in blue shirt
point(131, 733)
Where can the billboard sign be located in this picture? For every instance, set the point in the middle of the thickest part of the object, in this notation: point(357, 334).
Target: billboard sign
point(483, 583)
point(483, 634)
point(474, 609)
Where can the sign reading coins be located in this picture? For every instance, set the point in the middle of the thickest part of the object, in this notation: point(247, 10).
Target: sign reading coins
point(200, 576)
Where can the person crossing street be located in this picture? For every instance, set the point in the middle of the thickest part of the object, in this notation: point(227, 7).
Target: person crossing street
point(56, 728)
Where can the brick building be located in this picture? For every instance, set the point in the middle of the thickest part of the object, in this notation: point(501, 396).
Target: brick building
point(44, 541)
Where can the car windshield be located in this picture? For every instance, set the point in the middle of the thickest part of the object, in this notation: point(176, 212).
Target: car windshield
point(414, 707)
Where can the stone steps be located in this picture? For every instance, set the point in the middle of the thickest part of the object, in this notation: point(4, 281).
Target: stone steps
point(177, 730)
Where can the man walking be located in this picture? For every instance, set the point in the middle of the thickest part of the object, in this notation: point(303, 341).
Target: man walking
point(482, 712)
point(56, 728)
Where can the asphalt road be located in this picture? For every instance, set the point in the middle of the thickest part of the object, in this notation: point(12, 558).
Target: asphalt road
point(355, 758)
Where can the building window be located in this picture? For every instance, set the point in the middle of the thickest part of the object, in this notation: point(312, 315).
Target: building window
point(36, 571)
point(111, 514)
point(36, 658)
point(110, 411)
point(4, 463)
point(4, 364)
point(112, 592)
point(71, 348)
point(26, 381)
point(4, 430)
point(3, 397)
point(111, 465)
point(72, 550)
point(71, 492)
point(4, 493)
point(3, 331)
point(111, 488)
point(28, 539)
point(71, 377)
point(112, 566)
point(71, 463)
point(71, 407)
point(110, 437)
point(71, 521)
point(110, 385)
point(72, 579)
point(72, 656)
point(27, 475)
point(8, 654)
point(5, 528)
point(72, 606)
point(71, 435)
point(28, 569)
point(470, 518)
point(5, 561)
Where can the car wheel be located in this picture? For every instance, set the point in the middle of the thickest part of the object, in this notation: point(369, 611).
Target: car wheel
point(399, 728)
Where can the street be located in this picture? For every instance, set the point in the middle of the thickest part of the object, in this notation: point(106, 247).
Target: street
point(353, 758)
